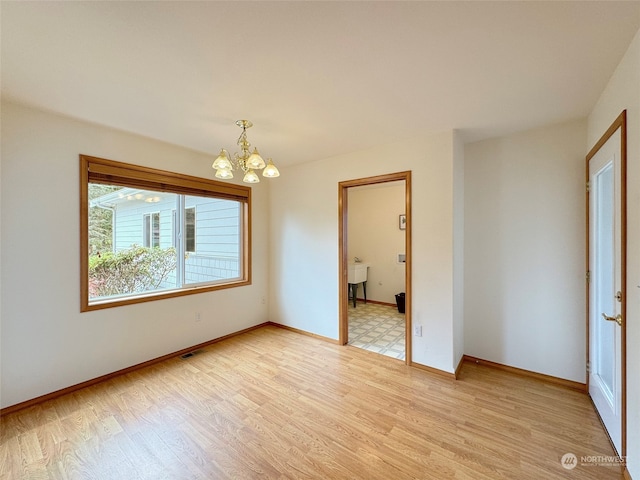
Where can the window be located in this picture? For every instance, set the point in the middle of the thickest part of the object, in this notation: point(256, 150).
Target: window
point(151, 229)
point(190, 229)
point(140, 228)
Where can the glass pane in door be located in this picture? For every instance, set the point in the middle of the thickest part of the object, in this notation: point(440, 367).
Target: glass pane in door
point(605, 278)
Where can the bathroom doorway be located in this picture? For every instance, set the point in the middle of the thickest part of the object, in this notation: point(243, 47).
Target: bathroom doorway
point(375, 264)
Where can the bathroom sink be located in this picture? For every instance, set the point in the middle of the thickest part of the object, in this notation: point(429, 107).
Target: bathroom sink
point(357, 272)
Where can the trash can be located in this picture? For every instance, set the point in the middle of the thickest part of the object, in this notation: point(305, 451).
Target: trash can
point(400, 302)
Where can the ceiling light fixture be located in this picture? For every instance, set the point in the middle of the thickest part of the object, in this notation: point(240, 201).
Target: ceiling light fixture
point(246, 161)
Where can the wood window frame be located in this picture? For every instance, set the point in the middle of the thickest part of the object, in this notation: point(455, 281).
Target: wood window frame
point(110, 172)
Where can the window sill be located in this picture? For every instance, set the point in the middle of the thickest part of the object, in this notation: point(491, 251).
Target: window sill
point(148, 297)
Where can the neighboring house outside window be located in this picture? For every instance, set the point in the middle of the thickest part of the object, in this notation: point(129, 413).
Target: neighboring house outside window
point(183, 243)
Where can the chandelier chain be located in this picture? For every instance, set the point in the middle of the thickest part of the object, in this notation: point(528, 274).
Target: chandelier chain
point(244, 145)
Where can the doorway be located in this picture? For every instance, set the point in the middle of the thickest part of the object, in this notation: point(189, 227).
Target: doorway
point(345, 287)
point(606, 288)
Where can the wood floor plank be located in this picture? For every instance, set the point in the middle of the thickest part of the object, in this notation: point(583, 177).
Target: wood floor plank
point(274, 404)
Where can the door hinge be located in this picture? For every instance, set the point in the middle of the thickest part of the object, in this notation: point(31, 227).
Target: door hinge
point(588, 367)
point(587, 187)
point(588, 276)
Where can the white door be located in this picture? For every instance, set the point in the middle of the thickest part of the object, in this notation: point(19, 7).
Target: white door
point(605, 287)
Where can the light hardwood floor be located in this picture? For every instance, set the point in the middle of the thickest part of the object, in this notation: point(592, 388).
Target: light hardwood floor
point(272, 403)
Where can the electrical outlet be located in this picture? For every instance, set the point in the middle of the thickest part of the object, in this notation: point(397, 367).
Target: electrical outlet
point(264, 300)
point(198, 316)
point(417, 330)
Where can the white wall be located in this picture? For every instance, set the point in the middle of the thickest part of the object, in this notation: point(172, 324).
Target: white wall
point(623, 92)
point(304, 239)
point(374, 236)
point(525, 249)
point(47, 344)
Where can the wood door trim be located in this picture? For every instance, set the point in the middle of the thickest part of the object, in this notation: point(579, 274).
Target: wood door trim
point(343, 208)
point(619, 123)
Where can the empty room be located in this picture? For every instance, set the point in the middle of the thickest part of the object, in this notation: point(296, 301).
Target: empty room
point(312, 240)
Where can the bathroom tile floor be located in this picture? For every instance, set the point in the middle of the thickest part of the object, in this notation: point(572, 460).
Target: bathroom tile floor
point(377, 328)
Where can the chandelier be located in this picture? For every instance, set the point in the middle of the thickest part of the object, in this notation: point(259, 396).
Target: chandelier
point(246, 161)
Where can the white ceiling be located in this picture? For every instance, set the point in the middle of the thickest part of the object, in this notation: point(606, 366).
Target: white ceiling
point(316, 78)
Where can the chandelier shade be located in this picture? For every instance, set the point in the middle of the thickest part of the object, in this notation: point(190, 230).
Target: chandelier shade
point(224, 174)
point(255, 160)
point(251, 177)
point(246, 161)
point(270, 171)
point(222, 162)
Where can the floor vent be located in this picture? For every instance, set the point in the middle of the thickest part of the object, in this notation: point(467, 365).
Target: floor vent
point(190, 354)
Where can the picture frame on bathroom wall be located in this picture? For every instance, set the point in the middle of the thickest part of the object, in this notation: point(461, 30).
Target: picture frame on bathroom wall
point(402, 222)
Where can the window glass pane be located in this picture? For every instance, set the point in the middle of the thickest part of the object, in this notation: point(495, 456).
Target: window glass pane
point(130, 241)
point(146, 231)
point(155, 240)
point(151, 234)
point(100, 220)
point(151, 229)
point(174, 229)
point(190, 229)
point(216, 234)
point(604, 190)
